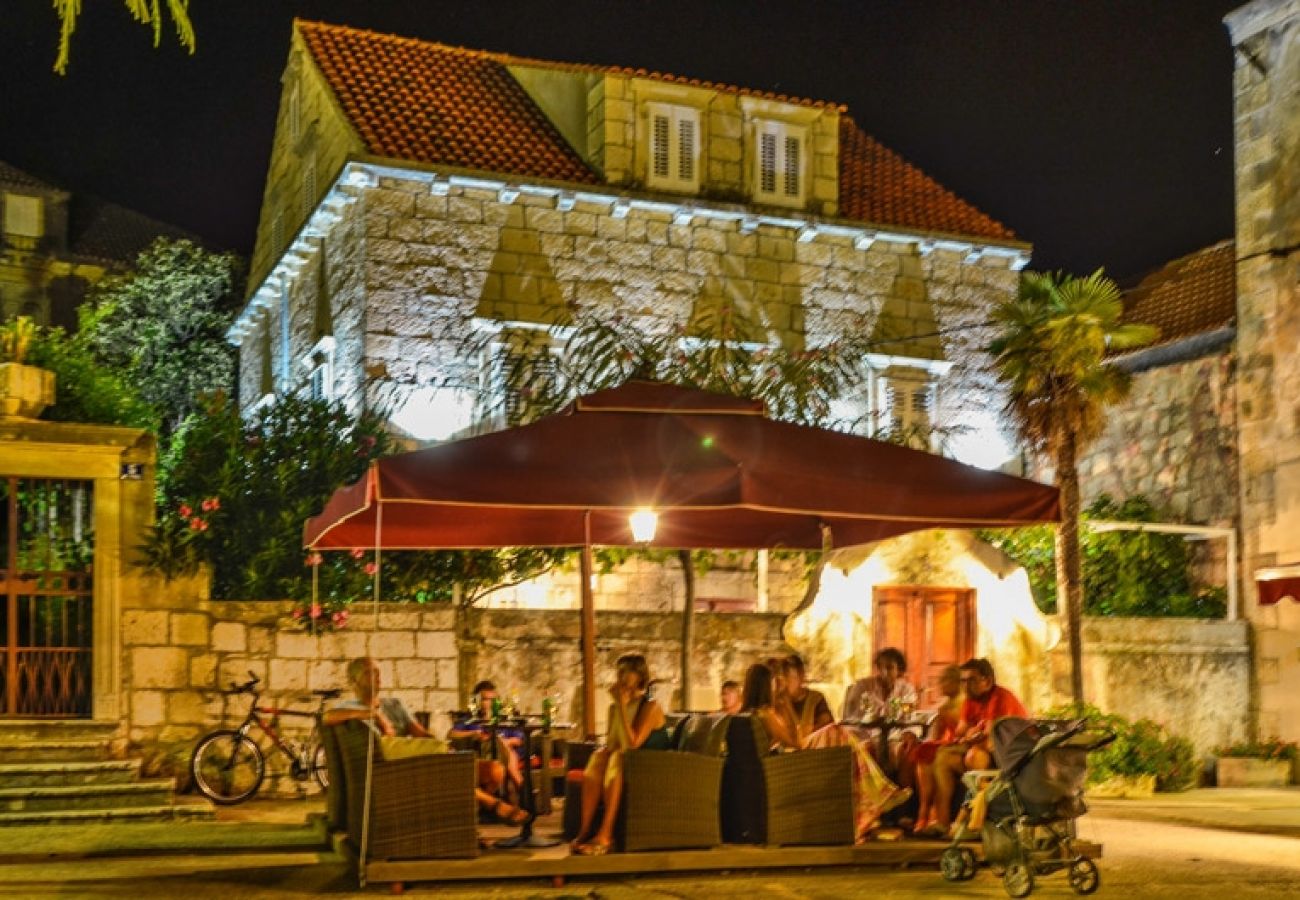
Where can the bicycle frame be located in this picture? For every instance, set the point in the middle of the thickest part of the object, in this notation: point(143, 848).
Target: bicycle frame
point(264, 717)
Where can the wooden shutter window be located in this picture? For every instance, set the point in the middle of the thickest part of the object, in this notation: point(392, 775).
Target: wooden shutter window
point(791, 166)
point(660, 150)
point(767, 163)
point(686, 149)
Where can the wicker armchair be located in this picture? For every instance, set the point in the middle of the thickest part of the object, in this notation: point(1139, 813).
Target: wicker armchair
point(670, 799)
point(420, 808)
point(785, 798)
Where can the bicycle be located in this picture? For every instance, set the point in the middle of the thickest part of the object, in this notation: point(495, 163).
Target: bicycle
point(228, 766)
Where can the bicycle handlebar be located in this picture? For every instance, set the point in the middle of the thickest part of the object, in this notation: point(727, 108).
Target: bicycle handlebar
point(246, 687)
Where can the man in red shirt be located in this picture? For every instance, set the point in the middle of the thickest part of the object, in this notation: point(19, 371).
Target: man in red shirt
point(986, 702)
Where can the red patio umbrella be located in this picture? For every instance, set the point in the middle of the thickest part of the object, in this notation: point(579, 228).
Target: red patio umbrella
point(718, 472)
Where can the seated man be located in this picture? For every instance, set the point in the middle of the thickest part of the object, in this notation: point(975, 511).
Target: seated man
point(986, 702)
point(390, 717)
point(730, 697)
point(870, 698)
point(499, 761)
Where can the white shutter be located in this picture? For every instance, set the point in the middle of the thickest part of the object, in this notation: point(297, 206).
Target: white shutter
point(790, 166)
point(685, 149)
point(767, 163)
point(308, 185)
point(674, 139)
point(660, 145)
point(779, 163)
point(24, 215)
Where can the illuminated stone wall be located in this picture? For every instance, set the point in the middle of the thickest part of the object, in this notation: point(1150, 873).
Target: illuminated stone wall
point(1266, 35)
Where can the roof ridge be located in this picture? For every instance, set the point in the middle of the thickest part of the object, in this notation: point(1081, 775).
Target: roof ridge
point(503, 58)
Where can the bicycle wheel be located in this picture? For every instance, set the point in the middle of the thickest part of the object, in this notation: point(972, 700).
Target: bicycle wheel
point(228, 767)
point(319, 769)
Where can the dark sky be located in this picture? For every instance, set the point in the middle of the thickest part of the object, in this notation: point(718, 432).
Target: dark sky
point(1099, 131)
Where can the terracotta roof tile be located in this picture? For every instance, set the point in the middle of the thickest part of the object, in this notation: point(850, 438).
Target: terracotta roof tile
point(15, 177)
point(1188, 296)
point(431, 103)
point(877, 185)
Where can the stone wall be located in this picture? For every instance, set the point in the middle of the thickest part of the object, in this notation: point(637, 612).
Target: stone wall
point(181, 650)
point(1266, 104)
point(1173, 441)
point(1191, 675)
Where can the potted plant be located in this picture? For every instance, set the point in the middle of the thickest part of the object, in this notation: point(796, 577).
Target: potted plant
point(24, 390)
point(1266, 763)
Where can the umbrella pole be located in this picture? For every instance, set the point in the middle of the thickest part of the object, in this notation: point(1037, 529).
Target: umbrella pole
point(588, 634)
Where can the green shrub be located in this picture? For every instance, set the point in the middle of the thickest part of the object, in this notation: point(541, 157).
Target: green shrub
point(1125, 573)
point(1142, 747)
point(1273, 748)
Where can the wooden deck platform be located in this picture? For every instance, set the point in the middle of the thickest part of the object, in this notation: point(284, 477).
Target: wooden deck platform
point(557, 864)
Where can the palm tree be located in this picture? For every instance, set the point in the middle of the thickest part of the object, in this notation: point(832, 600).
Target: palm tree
point(146, 12)
point(1051, 356)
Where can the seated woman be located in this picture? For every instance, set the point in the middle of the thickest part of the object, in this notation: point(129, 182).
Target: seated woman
point(390, 717)
point(497, 762)
point(635, 722)
point(943, 732)
point(766, 698)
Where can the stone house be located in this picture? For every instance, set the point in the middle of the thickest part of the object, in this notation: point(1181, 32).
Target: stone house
point(55, 243)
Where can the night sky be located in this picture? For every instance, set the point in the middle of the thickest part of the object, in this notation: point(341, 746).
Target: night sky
point(1100, 132)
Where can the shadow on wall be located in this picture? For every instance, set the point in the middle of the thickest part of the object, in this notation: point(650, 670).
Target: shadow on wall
point(835, 634)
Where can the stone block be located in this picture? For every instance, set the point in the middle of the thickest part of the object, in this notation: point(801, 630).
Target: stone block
point(443, 619)
point(287, 675)
point(435, 645)
point(203, 670)
point(260, 638)
point(395, 204)
point(186, 708)
point(407, 619)
point(388, 645)
point(448, 673)
point(235, 669)
point(144, 627)
point(148, 708)
point(160, 667)
point(295, 645)
point(190, 629)
point(416, 673)
point(323, 674)
point(461, 209)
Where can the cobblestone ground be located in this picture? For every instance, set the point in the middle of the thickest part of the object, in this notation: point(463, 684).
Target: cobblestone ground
point(1143, 859)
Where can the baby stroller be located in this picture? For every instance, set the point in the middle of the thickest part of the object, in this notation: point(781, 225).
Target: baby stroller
point(1032, 800)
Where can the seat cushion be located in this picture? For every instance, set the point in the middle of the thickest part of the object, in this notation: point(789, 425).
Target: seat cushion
point(393, 747)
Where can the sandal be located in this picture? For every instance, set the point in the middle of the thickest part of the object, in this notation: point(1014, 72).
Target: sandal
point(595, 848)
point(519, 818)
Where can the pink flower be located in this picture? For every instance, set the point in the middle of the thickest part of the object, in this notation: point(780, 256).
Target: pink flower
point(211, 503)
point(357, 553)
point(197, 524)
point(297, 613)
point(371, 568)
point(315, 610)
point(185, 511)
point(314, 559)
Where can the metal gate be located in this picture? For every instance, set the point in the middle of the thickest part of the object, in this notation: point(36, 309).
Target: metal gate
point(47, 541)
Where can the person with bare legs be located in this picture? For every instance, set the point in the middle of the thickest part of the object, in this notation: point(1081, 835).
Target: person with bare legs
point(390, 717)
point(943, 732)
point(502, 759)
point(635, 721)
point(986, 702)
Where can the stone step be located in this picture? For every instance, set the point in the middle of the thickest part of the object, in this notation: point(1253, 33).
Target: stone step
point(16, 730)
point(55, 774)
point(86, 796)
point(53, 750)
point(160, 811)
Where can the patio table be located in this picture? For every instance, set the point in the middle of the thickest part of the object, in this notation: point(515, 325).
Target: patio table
point(884, 726)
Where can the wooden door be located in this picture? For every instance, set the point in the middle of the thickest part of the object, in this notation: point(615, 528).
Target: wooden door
point(934, 627)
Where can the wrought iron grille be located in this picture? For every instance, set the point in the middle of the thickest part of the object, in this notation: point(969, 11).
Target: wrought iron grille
point(47, 535)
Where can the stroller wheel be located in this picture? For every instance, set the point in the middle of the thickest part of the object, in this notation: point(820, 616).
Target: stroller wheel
point(1084, 877)
point(967, 863)
point(1018, 880)
point(952, 865)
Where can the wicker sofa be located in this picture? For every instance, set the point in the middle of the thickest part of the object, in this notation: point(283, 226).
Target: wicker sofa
point(786, 798)
point(671, 797)
point(420, 808)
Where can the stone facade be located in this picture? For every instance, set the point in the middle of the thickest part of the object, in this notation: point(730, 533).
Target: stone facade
point(1172, 441)
point(1191, 676)
point(1266, 36)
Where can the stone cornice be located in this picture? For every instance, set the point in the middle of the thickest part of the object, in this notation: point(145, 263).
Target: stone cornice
point(1247, 21)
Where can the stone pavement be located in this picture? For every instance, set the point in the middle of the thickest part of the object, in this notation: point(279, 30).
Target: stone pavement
point(1256, 810)
point(276, 848)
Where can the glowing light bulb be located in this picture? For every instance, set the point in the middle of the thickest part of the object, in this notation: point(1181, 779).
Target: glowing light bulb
point(643, 522)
